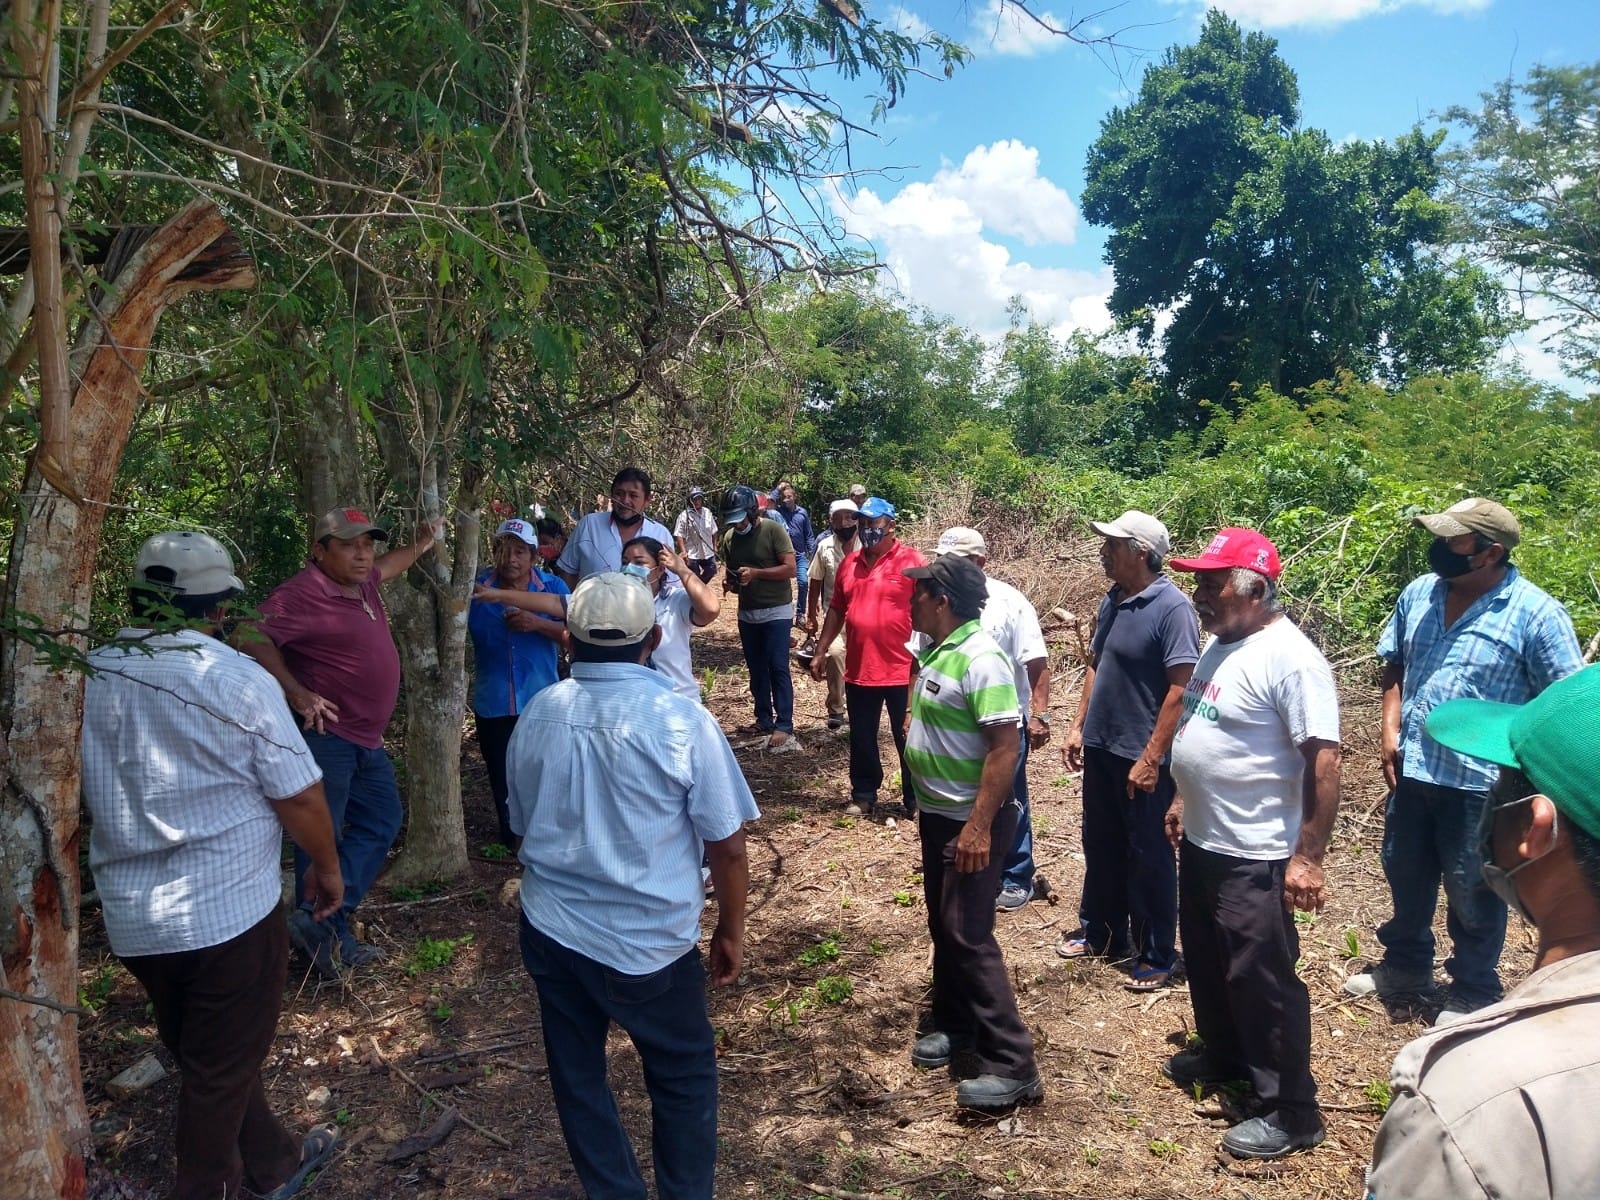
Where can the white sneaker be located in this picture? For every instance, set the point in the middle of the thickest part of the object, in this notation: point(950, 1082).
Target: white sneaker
point(1451, 1013)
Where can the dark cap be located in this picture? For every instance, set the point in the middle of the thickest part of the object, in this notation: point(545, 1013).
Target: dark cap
point(959, 576)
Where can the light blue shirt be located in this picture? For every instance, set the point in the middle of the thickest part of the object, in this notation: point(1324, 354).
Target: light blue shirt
point(616, 783)
point(595, 546)
point(1510, 644)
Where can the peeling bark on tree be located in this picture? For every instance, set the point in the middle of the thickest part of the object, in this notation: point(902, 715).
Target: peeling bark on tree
point(43, 1123)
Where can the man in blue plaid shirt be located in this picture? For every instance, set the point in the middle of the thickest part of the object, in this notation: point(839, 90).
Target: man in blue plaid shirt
point(1471, 627)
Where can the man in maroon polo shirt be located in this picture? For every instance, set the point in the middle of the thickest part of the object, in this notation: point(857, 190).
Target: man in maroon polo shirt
point(328, 645)
point(872, 600)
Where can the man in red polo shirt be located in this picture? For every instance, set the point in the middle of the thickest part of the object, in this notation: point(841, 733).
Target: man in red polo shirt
point(872, 600)
point(328, 645)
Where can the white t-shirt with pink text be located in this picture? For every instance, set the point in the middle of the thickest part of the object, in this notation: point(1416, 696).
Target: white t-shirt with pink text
point(1236, 758)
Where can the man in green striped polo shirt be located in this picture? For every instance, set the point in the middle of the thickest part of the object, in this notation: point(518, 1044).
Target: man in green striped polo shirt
point(961, 754)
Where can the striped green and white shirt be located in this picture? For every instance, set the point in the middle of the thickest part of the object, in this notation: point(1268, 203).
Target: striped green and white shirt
point(964, 684)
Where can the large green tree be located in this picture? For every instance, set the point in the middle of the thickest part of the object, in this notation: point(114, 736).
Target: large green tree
point(1528, 182)
point(1270, 255)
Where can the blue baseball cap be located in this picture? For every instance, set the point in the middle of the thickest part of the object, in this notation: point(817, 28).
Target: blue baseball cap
point(877, 506)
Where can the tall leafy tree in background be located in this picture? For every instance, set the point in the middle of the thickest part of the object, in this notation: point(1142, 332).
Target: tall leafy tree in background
point(1273, 256)
point(1528, 182)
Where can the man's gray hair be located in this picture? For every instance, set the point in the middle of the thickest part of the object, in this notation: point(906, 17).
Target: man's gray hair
point(1245, 583)
point(1152, 556)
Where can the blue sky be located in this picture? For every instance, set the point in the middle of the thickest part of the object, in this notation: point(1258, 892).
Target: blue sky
point(971, 188)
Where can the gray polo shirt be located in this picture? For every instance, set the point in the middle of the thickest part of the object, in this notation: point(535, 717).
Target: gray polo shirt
point(1136, 640)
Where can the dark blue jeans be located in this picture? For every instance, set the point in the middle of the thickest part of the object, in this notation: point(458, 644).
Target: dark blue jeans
point(766, 653)
point(1018, 870)
point(665, 1015)
point(802, 582)
point(364, 802)
point(1429, 836)
point(1130, 879)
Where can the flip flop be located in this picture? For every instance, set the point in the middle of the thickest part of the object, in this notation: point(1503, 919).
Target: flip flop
point(315, 1150)
point(1145, 978)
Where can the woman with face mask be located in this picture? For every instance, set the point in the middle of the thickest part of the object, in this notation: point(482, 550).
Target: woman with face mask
point(515, 652)
point(678, 610)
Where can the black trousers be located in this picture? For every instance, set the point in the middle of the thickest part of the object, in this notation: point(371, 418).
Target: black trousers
point(217, 1011)
point(1251, 1009)
point(865, 706)
point(972, 994)
point(494, 737)
point(1130, 877)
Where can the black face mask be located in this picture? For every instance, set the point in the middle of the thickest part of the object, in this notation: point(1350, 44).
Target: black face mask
point(1446, 563)
point(845, 534)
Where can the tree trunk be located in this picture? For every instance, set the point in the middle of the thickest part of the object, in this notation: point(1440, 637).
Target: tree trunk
point(43, 1123)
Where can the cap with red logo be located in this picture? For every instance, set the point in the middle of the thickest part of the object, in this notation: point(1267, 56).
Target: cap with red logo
point(347, 523)
point(1235, 547)
point(518, 529)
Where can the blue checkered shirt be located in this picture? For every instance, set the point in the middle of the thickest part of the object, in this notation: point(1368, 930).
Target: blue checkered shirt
point(1508, 646)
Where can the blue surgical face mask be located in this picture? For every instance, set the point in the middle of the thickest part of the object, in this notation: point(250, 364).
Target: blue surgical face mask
point(639, 571)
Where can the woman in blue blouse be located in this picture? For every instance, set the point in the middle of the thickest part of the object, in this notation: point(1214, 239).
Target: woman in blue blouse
point(515, 653)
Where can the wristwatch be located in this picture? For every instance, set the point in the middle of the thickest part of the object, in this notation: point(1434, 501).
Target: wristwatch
point(1042, 716)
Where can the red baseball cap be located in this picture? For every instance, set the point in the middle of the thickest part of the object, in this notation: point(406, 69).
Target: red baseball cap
point(1235, 547)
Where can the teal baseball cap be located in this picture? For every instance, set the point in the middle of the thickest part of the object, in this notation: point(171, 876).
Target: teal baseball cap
point(1553, 739)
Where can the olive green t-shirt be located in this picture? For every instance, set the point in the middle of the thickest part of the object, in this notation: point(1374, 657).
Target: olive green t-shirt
point(763, 548)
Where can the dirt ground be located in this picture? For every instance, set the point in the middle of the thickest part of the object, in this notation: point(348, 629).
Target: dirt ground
point(819, 1096)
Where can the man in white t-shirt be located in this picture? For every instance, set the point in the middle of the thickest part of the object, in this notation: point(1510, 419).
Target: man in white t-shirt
point(696, 533)
point(1256, 761)
point(1011, 620)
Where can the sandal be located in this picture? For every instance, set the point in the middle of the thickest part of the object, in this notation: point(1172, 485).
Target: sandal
point(1074, 946)
point(1145, 978)
point(315, 1150)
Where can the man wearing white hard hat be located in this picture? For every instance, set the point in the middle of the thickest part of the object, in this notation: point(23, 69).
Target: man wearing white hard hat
point(192, 773)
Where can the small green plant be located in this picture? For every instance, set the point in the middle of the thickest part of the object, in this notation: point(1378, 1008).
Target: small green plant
point(1193, 1041)
point(1116, 1097)
point(1352, 944)
point(1378, 1092)
point(1299, 965)
point(1199, 1090)
point(1164, 1147)
point(843, 821)
point(904, 899)
point(441, 1011)
point(708, 684)
point(1091, 1156)
point(407, 892)
point(1041, 826)
point(876, 948)
point(430, 954)
point(495, 850)
point(94, 994)
point(845, 902)
point(1302, 917)
point(914, 879)
point(826, 950)
point(343, 1117)
point(790, 814)
point(788, 1010)
point(1061, 781)
point(834, 989)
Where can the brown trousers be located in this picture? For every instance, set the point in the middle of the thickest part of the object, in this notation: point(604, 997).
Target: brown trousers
point(217, 1012)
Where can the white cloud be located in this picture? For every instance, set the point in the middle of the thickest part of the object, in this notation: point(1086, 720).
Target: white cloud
point(1006, 30)
point(906, 22)
point(938, 240)
point(1278, 14)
